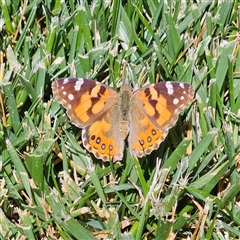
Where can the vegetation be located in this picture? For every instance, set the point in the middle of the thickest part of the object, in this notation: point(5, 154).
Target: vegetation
point(51, 188)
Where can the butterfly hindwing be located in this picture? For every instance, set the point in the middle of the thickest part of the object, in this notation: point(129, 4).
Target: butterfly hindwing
point(144, 137)
point(103, 137)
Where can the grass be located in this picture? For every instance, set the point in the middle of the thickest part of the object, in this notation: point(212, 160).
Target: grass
point(51, 188)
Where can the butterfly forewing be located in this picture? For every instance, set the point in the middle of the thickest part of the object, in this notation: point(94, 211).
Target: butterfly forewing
point(85, 100)
point(162, 102)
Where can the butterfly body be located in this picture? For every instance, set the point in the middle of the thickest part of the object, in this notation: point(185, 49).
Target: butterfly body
point(125, 107)
point(108, 117)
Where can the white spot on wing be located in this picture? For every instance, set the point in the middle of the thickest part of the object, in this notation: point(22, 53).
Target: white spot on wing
point(65, 81)
point(169, 87)
point(175, 101)
point(70, 97)
point(181, 85)
point(78, 84)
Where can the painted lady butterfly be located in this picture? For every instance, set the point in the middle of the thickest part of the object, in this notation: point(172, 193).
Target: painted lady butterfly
point(107, 117)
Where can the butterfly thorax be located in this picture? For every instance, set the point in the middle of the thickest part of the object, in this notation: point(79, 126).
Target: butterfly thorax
point(125, 103)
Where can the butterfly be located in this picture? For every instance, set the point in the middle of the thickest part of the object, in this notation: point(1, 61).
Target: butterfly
point(108, 117)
